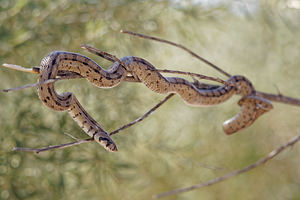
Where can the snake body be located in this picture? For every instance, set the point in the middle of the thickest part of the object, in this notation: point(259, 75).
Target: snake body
point(194, 94)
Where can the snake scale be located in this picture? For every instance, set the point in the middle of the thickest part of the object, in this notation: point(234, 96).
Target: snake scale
point(194, 94)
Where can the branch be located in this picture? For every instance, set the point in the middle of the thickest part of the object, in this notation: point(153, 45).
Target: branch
point(39, 83)
point(35, 70)
point(260, 162)
point(200, 76)
point(279, 98)
point(144, 116)
point(61, 146)
point(102, 54)
point(179, 46)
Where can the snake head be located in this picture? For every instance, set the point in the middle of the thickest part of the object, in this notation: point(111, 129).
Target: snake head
point(104, 140)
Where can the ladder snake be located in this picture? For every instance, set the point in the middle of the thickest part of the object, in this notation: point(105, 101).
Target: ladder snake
point(195, 94)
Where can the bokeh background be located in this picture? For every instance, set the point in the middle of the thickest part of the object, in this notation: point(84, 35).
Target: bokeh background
point(178, 145)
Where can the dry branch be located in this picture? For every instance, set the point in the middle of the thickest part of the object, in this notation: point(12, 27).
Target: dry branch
point(144, 116)
point(179, 46)
point(260, 162)
point(279, 98)
point(61, 146)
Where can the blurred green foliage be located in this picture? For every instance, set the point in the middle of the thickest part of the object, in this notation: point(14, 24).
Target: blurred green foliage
point(176, 146)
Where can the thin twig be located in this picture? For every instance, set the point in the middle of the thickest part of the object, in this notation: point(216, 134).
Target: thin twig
point(60, 146)
point(200, 76)
point(279, 98)
point(34, 70)
point(179, 46)
point(233, 173)
point(144, 116)
point(111, 58)
point(102, 54)
point(71, 136)
point(40, 83)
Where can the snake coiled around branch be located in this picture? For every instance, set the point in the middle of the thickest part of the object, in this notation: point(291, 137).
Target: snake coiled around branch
point(194, 94)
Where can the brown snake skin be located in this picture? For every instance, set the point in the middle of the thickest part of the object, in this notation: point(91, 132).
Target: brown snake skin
point(194, 94)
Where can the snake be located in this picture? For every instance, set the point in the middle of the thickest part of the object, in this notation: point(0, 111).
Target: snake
point(192, 93)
